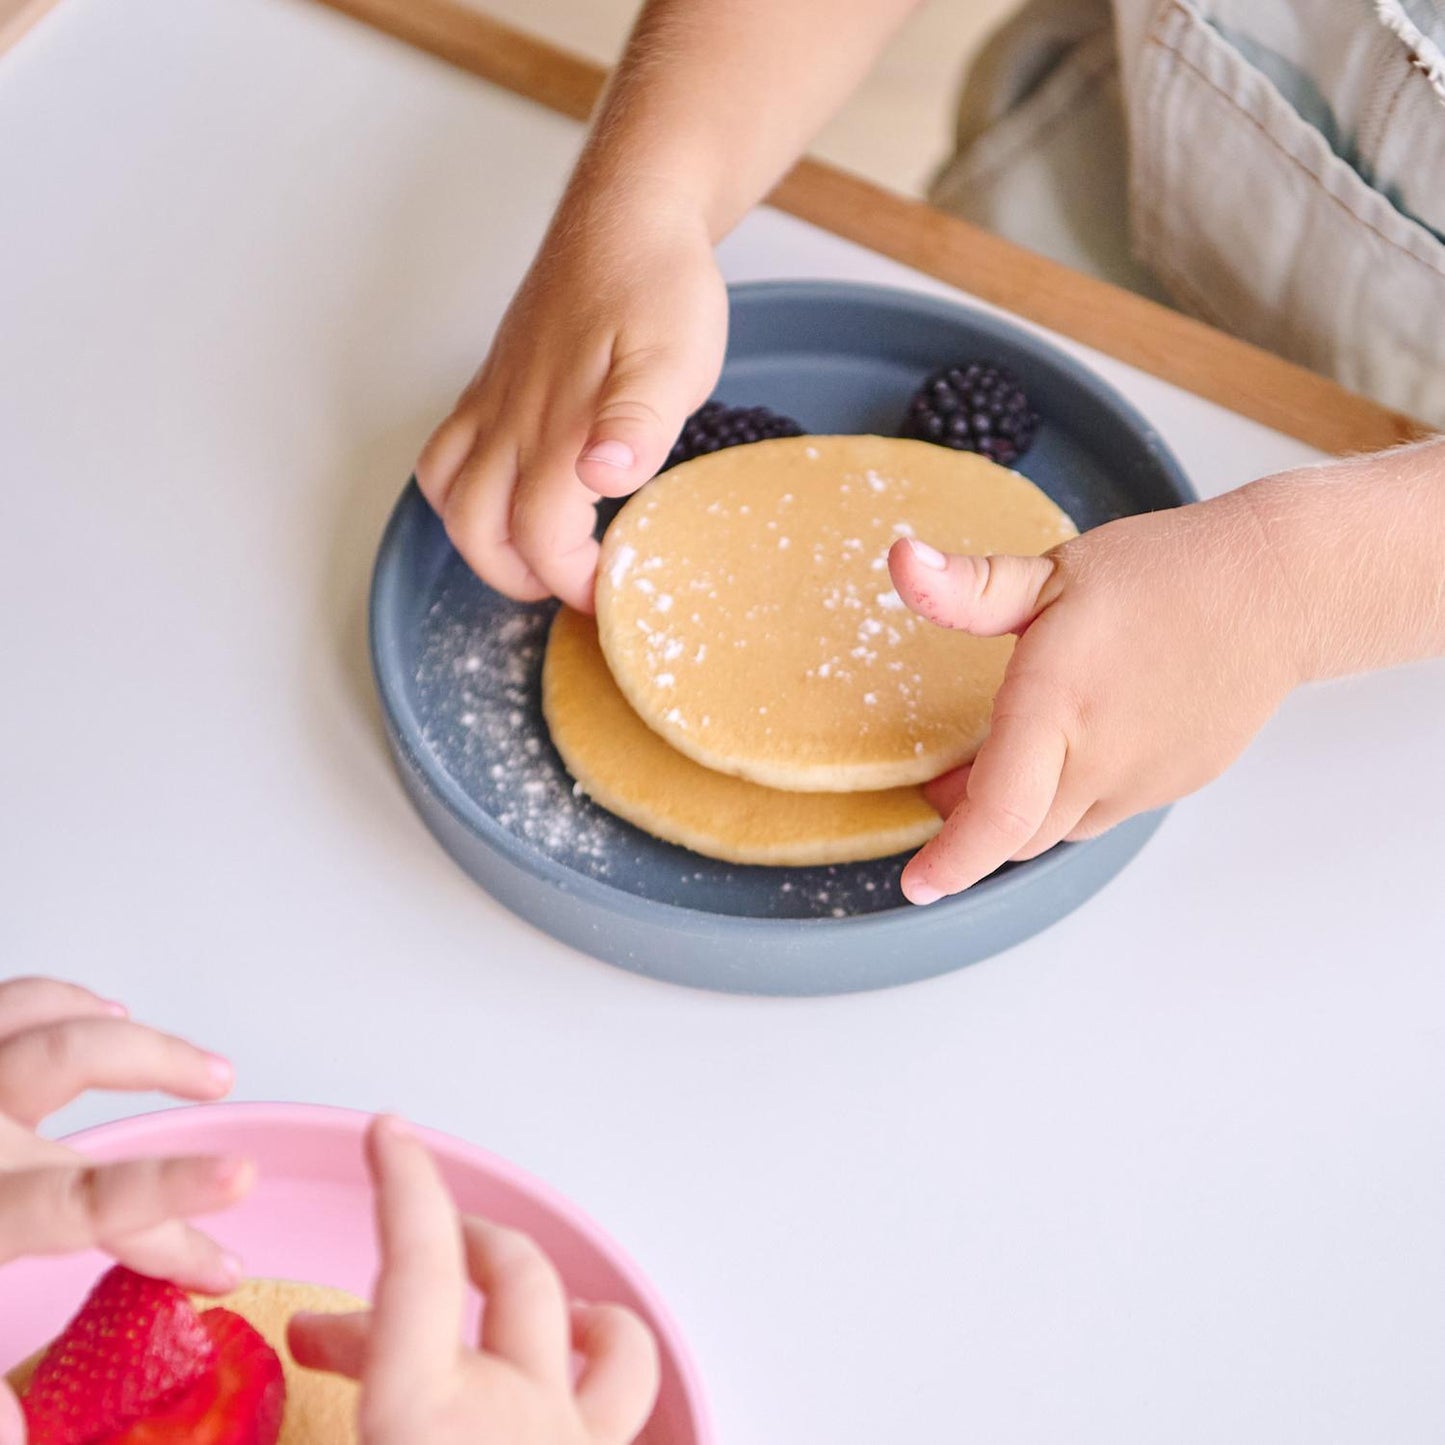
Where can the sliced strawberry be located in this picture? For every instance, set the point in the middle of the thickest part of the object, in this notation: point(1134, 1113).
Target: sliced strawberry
point(134, 1343)
point(239, 1401)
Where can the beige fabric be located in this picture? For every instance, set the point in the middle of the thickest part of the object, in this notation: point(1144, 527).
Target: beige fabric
point(1257, 225)
point(1040, 148)
point(1286, 170)
point(627, 768)
point(745, 607)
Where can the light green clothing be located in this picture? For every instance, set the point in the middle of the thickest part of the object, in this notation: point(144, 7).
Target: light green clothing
point(1276, 167)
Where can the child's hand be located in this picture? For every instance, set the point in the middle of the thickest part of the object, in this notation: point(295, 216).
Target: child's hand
point(616, 335)
point(1150, 651)
point(56, 1041)
point(418, 1383)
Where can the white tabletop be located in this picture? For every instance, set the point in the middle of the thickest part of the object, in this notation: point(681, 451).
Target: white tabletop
point(1170, 1172)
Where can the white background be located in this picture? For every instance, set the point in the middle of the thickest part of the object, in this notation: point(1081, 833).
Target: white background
point(1170, 1172)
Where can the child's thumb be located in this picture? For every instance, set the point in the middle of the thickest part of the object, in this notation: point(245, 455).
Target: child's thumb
point(987, 596)
point(643, 405)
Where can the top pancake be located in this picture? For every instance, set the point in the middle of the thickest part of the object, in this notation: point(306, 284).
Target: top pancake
point(745, 608)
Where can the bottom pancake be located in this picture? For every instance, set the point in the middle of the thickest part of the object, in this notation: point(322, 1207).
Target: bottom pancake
point(623, 765)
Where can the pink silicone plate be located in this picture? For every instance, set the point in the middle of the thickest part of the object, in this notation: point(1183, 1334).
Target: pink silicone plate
point(309, 1218)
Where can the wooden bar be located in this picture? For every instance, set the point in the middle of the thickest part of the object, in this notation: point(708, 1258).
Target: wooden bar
point(1245, 378)
point(453, 31)
point(1193, 355)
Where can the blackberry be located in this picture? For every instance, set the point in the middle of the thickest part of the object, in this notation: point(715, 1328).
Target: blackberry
point(975, 407)
point(715, 425)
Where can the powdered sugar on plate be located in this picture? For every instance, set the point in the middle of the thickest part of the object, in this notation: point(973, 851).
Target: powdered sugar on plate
point(477, 690)
point(481, 683)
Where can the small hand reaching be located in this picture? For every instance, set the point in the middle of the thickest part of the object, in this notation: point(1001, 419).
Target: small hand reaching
point(1150, 651)
point(58, 1040)
point(419, 1382)
point(613, 339)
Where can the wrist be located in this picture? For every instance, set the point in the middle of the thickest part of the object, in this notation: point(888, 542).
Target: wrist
point(626, 217)
point(1359, 548)
point(1280, 517)
point(649, 170)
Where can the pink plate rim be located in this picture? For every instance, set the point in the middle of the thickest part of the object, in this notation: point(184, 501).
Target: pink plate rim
point(136, 1130)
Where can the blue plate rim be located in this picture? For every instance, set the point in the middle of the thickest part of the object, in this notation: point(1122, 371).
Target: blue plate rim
point(406, 729)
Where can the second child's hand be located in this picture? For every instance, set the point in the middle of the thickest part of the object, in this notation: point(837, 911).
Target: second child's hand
point(611, 342)
point(57, 1041)
point(618, 331)
point(419, 1383)
point(1151, 650)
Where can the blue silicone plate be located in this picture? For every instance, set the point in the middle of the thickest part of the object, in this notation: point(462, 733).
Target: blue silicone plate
point(458, 668)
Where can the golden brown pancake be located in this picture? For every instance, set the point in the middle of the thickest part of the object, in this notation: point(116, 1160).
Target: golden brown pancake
point(627, 768)
point(745, 608)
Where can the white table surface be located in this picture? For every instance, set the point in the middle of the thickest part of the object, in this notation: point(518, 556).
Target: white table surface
point(1170, 1172)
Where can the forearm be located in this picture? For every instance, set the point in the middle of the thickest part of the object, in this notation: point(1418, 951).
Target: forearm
point(715, 99)
point(1361, 545)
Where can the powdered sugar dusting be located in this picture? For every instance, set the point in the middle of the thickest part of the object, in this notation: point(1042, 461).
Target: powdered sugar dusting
point(621, 561)
point(482, 686)
point(476, 687)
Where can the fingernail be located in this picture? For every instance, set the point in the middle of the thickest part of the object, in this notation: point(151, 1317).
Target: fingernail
point(116, 1010)
point(220, 1070)
point(396, 1126)
point(922, 893)
point(929, 556)
point(230, 1270)
point(610, 454)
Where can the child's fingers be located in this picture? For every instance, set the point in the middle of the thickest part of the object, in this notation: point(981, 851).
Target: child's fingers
point(182, 1254)
point(119, 1207)
point(46, 1067)
point(1099, 819)
point(443, 457)
point(1069, 806)
point(645, 400)
point(337, 1344)
point(987, 596)
point(27, 1003)
point(420, 1291)
point(12, 1421)
point(477, 511)
point(948, 790)
point(620, 1372)
point(525, 1317)
point(1010, 789)
point(552, 523)
point(173, 1250)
